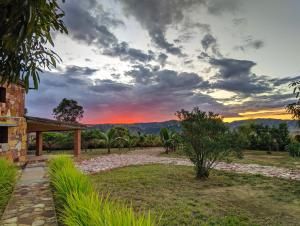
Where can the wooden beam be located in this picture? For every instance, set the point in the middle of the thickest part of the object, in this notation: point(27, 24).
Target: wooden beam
point(77, 142)
point(39, 144)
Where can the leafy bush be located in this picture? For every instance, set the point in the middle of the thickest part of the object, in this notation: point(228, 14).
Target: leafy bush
point(7, 182)
point(264, 137)
point(206, 139)
point(294, 149)
point(79, 205)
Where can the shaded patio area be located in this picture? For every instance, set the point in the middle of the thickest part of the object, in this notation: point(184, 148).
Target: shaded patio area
point(40, 125)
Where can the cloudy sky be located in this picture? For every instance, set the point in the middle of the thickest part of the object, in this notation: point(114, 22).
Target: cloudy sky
point(142, 60)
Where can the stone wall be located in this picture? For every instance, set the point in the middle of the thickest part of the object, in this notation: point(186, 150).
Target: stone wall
point(12, 113)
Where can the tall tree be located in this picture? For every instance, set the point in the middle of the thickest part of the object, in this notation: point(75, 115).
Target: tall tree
point(26, 45)
point(68, 110)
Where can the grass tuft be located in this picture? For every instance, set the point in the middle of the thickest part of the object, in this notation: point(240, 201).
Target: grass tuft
point(79, 205)
point(7, 181)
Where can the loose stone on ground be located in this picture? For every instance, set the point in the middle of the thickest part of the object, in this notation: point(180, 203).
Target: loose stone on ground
point(112, 161)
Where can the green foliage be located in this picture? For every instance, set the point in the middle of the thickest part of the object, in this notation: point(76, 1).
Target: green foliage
point(109, 137)
point(7, 182)
point(95, 139)
point(206, 139)
point(26, 29)
point(294, 149)
point(294, 108)
point(68, 110)
point(263, 137)
point(169, 139)
point(79, 205)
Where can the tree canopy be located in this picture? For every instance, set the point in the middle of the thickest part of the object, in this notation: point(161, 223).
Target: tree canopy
point(26, 44)
point(68, 110)
point(206, 139)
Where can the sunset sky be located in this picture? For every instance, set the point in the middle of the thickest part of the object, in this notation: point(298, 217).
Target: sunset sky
point(129, 61)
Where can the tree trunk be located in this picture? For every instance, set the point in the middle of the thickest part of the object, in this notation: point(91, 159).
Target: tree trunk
point(202, 173)
point(108, 150)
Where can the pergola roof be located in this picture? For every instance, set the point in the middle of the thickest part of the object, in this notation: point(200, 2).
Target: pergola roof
point(35, 124)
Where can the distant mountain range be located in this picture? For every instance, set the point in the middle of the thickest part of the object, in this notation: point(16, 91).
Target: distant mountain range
point(154, 127)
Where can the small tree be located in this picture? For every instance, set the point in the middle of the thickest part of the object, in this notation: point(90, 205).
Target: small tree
point(68, 110)
point(130, 141)
point(169, 139)
point(206, 139)
point(109, 138)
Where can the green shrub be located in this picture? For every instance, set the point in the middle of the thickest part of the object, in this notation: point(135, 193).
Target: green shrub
point(294, 149)
point(7, 182)
point(79, 205)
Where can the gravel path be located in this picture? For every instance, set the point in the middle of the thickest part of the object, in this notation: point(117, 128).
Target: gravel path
point(108, 162)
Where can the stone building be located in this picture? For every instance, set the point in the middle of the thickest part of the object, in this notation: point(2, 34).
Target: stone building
point(14, 125)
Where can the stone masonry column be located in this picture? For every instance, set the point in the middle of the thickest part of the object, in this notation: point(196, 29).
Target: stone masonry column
point(39, 144)
point(77, 142)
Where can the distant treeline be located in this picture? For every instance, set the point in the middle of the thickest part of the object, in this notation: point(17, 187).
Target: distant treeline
point(119, 137)
point(263, 137)
point(253, 136)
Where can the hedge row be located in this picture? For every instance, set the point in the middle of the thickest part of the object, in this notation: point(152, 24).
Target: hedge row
point(79, 205)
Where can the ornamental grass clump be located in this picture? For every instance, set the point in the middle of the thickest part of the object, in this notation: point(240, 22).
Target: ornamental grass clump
point(79, 205)
point(7, 181)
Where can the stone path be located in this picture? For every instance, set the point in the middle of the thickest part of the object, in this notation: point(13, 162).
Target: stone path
point(32, 201)
point(108, 162)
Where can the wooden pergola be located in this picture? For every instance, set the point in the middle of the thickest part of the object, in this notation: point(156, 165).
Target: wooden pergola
point(40, 125)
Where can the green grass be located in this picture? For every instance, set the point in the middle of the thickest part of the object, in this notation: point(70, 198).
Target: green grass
point(87, 154)
point(7, 182)
point(278, 159)
point(79, 205)
point(224, 199)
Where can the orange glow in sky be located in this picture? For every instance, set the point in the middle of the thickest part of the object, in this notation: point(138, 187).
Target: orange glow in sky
point(129, 117)
point(279, 113)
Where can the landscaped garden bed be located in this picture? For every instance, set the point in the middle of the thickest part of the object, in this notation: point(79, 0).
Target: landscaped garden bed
point(78, 204)
point(225, 198)
point(7, 181)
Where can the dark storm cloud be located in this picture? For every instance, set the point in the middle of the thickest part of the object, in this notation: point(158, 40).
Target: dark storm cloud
point(162, 90)
point(123, 51)
point(284, 81)
point(88, 22)
point(246, 86)
point(107, 85)
point(76, 70)
point(251, 44)
point(84, 26)
point(218, 7)
point(229, 68)
point(210, 42)
point(236, 76)
point(162, 59)
point(277, 100)
point(159, 38)
point(156, 15)
point(207, 41)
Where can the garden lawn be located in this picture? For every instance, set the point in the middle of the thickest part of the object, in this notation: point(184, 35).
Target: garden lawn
point(278, 159)
point(87, 153)
point(174, 193)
